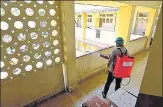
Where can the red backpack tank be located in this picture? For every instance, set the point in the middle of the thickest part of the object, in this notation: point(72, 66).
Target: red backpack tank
point(123, 65)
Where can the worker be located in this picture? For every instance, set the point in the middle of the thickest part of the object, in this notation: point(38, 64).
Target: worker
point(111, 62)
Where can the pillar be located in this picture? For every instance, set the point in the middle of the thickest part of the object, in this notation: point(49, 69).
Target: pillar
point(96, 19)
point(150, 25)
point(124, 22)
point(84, 25)
point(134, 20)
point(68, 40)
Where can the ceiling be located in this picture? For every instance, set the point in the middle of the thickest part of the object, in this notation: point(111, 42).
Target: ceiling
point(149, 4)
point(90, 8)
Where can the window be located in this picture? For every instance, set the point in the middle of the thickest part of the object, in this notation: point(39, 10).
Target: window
point(142, 14)
point(111, 20)
point(97, 33)
point(107, 20)
point(103, 15)
point(145, 14)
point(109, 15)
point(103, 20)
point(89, 18)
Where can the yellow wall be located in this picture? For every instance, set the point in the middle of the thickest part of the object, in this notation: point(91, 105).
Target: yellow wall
point(151, 17)
point(123, 24)
point(91, 63)
point(150, 25)
point(152, 80)
point(84, 25)
point(136, 45)
point(34, 86)
point(95, 19)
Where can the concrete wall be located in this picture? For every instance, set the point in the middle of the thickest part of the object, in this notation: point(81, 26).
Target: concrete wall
point(136, 46)
point(89, 64)
point(43, 83)
point(36, 85)
point(152, 80)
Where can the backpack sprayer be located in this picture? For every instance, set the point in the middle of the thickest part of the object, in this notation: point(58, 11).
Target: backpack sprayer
point(122, 66)
point(106, 70)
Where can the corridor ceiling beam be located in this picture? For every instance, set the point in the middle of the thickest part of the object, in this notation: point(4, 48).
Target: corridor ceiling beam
point(150, 4)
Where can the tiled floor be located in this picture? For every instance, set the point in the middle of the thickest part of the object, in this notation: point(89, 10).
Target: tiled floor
point(94, 85)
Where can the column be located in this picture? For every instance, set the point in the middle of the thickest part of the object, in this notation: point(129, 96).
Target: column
point(96, 19)
point(68, 40)
point(124, 22)
point(150, 25)
point(84, 25)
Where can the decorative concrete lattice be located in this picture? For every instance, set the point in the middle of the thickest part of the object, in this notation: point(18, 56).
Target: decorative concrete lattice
point(30, 37)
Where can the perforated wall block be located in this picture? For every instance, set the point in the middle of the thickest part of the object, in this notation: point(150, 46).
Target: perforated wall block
point(30, 37)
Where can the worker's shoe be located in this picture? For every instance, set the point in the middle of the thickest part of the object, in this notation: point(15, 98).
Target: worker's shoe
point(104, 96)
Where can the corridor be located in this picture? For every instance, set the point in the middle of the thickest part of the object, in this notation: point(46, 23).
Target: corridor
point(94, 85)
point(41, 60)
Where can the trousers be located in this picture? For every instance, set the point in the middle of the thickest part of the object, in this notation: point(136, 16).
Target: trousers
point(110, 79)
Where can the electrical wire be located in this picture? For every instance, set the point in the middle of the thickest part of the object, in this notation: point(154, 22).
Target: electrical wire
point(127, 83)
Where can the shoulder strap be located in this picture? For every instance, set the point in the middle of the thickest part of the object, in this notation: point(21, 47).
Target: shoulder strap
point(126, 52)
point(120, 51)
